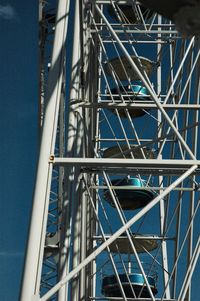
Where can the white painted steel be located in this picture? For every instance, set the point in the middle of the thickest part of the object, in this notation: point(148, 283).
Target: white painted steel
point(117, 234)
point(70, 173)
point(191, 267)
point(34, 255)
point(144, 80)
point(99, 162)
point(160, 179)
point(85, 176)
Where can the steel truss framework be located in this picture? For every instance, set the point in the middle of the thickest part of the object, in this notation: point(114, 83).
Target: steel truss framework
point(97, 131)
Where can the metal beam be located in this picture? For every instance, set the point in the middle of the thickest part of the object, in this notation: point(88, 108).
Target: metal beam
point(137, 163)
point(34, 254)
point(138, 105)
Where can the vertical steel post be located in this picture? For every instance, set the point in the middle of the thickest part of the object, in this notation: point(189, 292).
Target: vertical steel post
point(70, 231)
point(160, 178)
point(34, 255)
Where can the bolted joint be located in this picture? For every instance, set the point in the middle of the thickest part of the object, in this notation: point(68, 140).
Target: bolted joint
point(51, 158)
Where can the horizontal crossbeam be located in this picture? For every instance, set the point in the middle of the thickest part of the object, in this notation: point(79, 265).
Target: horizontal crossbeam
point(144, 166)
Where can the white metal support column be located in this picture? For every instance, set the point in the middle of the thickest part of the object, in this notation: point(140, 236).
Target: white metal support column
point(162, 203)
point(71, 132)
point(33, 263)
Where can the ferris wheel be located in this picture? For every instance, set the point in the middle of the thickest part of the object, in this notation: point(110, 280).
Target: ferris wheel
point(116, 204)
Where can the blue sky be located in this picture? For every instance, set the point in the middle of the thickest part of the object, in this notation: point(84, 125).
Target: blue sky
point(18, 135)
